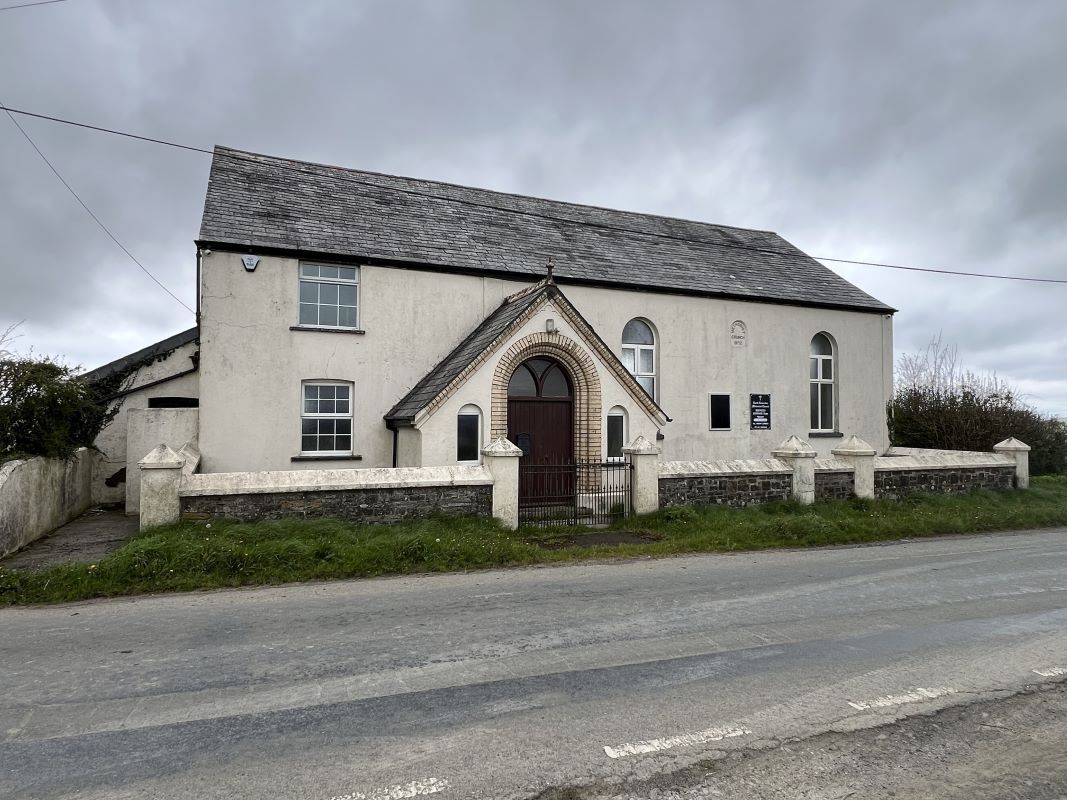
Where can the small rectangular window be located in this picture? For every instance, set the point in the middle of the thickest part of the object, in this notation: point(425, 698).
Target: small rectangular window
point(467, 437)
point(616, 434)
point(329, 296)
point(719, 412)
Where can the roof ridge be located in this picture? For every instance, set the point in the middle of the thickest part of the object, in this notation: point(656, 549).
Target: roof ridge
point(468, 187)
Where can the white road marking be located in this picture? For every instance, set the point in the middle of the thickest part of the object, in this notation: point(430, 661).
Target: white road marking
point(655, 745)
point(1051, 672)
point(914, 696)
point(417, 788)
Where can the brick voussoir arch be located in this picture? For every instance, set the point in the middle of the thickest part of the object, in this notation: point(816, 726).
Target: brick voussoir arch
point(579, 363)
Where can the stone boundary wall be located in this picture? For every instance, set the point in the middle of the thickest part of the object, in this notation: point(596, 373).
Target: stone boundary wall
point(364, 495)
point(38, 495)
point(910, 471)
point(733, 483)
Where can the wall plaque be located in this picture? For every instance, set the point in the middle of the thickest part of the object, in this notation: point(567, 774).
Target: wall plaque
point(760, 411)
point(738, 333)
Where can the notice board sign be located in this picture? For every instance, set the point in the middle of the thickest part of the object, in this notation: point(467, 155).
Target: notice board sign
point(760, 411)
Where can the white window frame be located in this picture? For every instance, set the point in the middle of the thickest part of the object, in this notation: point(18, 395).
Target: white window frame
point(637, 350)
point(616, 412)
point(470, 410)
point(306, 415)
point(730, 403)
point(316, 280)
point(819, 381)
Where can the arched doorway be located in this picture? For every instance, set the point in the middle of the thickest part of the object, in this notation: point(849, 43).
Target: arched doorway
point(541, 412)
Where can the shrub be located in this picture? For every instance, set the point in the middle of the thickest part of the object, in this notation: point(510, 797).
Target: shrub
point(46, 410)
point(937, 405)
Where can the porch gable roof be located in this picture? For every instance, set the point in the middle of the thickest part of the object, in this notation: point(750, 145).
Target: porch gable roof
point(480, 343)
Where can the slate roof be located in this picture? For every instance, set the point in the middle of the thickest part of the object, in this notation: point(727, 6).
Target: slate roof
point(144, 354)
point(434, 382)
point(259, 202)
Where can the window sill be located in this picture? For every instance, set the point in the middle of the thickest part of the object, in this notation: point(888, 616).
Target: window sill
point(326, 458)
point(826, 435)
point(326, 330)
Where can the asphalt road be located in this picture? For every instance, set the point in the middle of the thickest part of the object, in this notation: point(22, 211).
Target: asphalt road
point(507, 683)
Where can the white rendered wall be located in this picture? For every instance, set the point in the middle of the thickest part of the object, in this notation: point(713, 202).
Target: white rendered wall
point(148, 428)
point(111, 441)
point(252, 364)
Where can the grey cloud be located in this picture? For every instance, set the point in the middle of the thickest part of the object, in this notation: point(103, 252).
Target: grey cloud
point(902, 132)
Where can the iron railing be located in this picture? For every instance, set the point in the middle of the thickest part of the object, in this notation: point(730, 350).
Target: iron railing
point(593, 493)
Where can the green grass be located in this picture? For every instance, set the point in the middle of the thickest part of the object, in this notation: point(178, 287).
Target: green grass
point(191, 556)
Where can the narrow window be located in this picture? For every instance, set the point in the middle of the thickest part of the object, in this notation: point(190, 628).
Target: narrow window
point(719, 412)
point(326, 419)
point(822, 376)
point(639, 354)
point(468, 434)
point(329, 296)
point(616, 432)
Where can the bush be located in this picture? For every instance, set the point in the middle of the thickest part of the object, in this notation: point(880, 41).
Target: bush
point(937, 405)
point(46, 410)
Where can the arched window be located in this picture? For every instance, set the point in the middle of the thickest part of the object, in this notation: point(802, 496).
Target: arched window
point(468, 434)
point(639, 354)
point(616, 429)
point(539, 377)
point(823, 377)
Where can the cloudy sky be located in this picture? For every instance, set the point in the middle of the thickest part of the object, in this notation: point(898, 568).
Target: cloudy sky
point(916, 133)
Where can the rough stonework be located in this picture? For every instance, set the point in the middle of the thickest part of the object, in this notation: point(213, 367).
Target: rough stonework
point(379, 505)
point(953, 480)
point(833, 486)
point(731, 490)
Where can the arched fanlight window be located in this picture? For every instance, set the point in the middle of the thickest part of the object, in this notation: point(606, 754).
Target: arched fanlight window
point(539, 377)
point(468, 434)
point(823, 377)
point(639, 354)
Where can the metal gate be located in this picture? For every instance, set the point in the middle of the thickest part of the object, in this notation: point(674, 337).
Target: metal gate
point(594, 493)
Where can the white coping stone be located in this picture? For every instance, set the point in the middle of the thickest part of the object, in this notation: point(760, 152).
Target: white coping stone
point(161, 457)
point(894, 452)
point(942, 461)
point(307, 480)
point(699, 469)
point(794, 447)
point(834, 465)
point(641, 446)
point(853, 446)
point(191, 453)
point(501, 447)
point(1011, 444)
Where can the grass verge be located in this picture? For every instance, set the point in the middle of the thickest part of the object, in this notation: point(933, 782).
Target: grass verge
point(191, 556)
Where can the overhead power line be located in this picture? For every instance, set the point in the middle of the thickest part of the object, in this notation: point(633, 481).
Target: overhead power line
point(104, 130)
point(89, 211)
point(28, 5)
point(942, 271)
point(302, 169)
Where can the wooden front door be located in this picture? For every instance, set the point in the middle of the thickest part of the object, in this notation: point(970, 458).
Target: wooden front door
point(541, 423)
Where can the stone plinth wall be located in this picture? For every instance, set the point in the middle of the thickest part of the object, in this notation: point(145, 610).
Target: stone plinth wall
point(359, 505)
point(362, 495)
point(833, 486)
point(37, 495)
point(902, 482)
point(733, 483)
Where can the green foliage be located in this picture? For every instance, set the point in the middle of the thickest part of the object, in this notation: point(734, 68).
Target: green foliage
point(937, 405)
point(46, 410)
point(193, 556)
